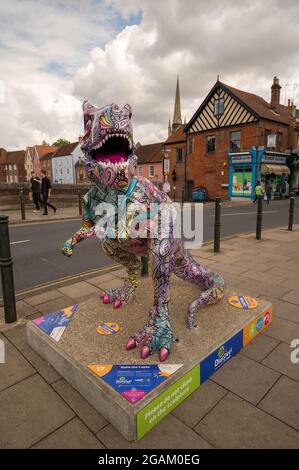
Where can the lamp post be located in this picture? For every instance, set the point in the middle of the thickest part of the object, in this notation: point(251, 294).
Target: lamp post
point(166, 185)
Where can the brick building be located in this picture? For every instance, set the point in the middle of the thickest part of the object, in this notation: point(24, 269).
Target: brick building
point(12, 166)
point(150, 162)
point(235, 138)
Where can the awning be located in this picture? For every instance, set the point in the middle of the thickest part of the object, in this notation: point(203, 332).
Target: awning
point(267, 169)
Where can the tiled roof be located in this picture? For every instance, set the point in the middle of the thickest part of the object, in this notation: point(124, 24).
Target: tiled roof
point(15, 157)
point(151, 153)
point(48, 156)
point(178, 136)
point(260, 106)
point(3, 153)
point(66, 149)
point(42, 150)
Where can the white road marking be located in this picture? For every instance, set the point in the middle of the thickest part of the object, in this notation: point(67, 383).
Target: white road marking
point(20, 241)
point(247, 213)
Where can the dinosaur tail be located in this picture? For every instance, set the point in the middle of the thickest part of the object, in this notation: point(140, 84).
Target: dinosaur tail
point(190, 270)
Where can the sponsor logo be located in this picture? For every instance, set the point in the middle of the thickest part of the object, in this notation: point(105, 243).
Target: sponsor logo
point(223, 356)
point(259, 324)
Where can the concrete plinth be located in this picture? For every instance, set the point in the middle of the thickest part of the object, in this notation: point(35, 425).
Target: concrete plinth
point(132, 397)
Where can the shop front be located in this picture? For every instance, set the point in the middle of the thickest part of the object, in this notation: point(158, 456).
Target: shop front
point(275, 173)
point(242, 170)
point(246, 168)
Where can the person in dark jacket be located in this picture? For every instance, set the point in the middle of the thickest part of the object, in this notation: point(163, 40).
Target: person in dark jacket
point(46, 193)
point(36, 191)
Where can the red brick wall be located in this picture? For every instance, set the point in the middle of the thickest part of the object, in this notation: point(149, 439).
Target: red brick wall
point(179, 168)
point(211, 169)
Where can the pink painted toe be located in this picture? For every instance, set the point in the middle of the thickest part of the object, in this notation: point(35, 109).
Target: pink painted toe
point(102, 295)
point(163, 354)
point(117, 303)
point(106, 299)
point(131, 344)
point(145, 352)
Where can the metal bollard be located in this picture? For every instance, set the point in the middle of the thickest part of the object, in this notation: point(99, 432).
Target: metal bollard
point(291, 211)
point(144, 266)
point(6, 262)
point(22, 204)
point(80, 201)
point(259, 219)
point(217, 226)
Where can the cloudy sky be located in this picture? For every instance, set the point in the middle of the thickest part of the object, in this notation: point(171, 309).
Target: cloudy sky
point(55, 53)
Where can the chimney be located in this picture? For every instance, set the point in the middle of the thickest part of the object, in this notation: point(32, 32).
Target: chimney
point(275, 93)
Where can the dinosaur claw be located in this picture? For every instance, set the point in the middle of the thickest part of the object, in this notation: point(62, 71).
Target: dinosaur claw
point(102, 295)
point(145, 352)
point(163, 354)
point(106, 299)
point(117, 303)
point(131, 344)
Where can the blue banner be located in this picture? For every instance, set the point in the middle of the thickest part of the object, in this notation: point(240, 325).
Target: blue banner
point(55, 323)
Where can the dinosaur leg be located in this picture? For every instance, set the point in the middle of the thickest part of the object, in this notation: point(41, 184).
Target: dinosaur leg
point(189, 269)
point(122, 295)
point(157, 334)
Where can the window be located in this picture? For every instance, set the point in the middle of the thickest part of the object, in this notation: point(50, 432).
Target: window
point(279, 141)
point(10, 167)
point(81, 176)
point(179, 155)
point(267, 133)
point(139, 170)
point(219, 107)
point(15, 167)
point(235, 141)
point(152, 171)
point(190, 146)
point(211, 143)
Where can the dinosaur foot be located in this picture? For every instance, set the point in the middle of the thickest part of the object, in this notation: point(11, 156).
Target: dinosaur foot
point(119, 296)
point(155, 336)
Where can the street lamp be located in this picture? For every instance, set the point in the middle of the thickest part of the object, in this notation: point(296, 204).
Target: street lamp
point(166, 168)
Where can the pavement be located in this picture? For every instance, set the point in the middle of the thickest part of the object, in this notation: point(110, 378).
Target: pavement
point(251, 402)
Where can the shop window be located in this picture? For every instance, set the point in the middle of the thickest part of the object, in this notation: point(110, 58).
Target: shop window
point(211, 143)
point(219, 107)
point(235, 141)
point(151, 171)
point(190, 146)
point(179, 155)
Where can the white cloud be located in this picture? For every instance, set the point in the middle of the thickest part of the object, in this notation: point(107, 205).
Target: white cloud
point(55, 53)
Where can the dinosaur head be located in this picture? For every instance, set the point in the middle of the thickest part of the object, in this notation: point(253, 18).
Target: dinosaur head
point(108, 144)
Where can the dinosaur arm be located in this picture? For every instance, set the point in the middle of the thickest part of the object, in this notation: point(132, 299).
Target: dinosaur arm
point(86, 230)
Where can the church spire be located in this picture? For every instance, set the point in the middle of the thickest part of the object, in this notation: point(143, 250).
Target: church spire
point(169, 128)
point(177, 117)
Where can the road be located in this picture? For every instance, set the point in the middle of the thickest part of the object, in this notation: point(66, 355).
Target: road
point(36, 248)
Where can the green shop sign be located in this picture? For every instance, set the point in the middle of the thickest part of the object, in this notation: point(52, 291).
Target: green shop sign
point(158, 408)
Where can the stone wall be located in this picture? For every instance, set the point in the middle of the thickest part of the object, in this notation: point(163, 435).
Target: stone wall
point(63, 195)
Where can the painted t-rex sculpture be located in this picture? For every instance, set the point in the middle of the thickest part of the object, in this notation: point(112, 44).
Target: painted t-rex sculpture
point(110, 163)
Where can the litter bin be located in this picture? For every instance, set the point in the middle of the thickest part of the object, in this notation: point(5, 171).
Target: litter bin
point(199, 194)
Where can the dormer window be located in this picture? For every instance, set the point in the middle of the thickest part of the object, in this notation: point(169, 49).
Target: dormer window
point(219, 107)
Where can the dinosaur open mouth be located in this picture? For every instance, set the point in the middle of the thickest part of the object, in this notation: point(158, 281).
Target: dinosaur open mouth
point(114, 148)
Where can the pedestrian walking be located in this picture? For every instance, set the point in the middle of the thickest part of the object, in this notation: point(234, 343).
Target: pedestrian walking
point(46, 193)
point(269, 191)
point(258, 191)
point(36, 191)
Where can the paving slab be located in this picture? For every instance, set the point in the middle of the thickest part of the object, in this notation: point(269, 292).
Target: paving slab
point(246, 378)
point(15, 368)
point(280, 360)
point(56, 304)
point(43, 297)
point(284, 310)
point(98, 280)
point(195, 407)
point(72, 435)
point(29, 411)
point(283, 330)
point(292, 296)
point(78, 290)
point(84, 357)
point(236, 424)
point(260, 288)
point(259, 347)
point(170, 433)
point(17, 336)
point(87, 413)
point(283, 401)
